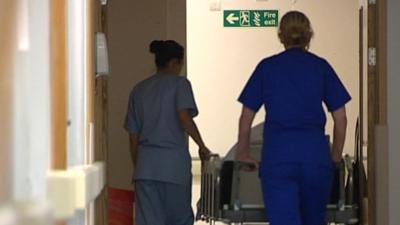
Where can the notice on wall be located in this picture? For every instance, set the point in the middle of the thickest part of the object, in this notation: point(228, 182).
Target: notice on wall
point(251, 18)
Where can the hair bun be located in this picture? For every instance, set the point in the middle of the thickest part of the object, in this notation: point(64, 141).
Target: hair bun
point(295, 30)
point(156, 46)
point(295, 35)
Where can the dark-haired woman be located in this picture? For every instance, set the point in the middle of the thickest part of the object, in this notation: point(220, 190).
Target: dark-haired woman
point(296, 166)
point(160, 113)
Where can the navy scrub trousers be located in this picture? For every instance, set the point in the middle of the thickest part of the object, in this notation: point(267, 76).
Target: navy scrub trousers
point(296, 169)
point(297, 194)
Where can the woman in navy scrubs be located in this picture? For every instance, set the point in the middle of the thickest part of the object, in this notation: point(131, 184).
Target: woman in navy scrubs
point(296, 168)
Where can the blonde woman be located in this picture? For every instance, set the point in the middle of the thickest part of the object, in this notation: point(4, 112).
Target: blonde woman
point(296, 167)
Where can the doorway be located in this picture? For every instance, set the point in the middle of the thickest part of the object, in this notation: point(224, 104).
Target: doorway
point(229, 55)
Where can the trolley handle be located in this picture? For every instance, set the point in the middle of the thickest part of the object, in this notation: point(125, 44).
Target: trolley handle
point(214, 155)
point(342, 195)
point(239, 165)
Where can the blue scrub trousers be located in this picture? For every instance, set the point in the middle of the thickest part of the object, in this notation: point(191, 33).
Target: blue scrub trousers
point(162, 203)
point(296, 194)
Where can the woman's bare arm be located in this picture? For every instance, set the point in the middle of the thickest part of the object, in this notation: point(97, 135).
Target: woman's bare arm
point(245, 122)
point(190, 127)
point(339, 133)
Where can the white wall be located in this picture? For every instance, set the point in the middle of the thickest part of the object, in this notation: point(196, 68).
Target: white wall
point(176, 23)
point(31, 109)
point(220, 60)
point(77, 100)
point(394, 110)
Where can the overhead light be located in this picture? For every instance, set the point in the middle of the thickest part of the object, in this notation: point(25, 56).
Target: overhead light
point(103, 2)
point(23, 26)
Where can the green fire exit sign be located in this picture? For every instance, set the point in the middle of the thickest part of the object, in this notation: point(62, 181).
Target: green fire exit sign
point(251, 18)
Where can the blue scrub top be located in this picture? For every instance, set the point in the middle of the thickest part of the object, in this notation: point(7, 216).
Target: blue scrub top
point(293, 86)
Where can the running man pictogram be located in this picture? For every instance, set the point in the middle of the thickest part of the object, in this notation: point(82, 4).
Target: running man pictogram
point(245, 18)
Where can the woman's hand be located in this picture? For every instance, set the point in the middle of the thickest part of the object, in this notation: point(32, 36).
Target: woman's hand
point(243, 151)
point(204, 153)
point(336, 158)
point(247, 159)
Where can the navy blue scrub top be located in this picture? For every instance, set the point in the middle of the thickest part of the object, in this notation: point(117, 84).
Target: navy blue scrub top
point(292, 86)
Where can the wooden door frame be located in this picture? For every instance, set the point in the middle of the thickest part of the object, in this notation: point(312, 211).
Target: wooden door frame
point(58, 84)
point(100, 114)
point(59, 79)
point(8, 19)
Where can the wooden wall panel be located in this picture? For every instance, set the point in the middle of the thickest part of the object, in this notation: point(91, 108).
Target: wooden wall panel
point(58, 30)
point(7, 26)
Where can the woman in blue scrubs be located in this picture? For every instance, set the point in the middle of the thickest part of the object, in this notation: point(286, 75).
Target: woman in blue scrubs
point(296, 167)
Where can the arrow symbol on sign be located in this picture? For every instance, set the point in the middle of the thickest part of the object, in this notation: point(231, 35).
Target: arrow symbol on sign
point(232, 18)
